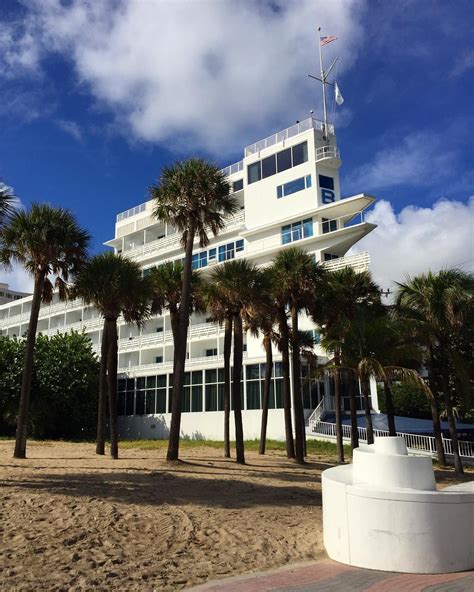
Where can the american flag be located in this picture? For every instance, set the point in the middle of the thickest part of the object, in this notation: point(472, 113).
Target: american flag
point(326, 40)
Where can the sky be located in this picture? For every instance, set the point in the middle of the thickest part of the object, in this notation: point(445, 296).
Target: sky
point(97, 96)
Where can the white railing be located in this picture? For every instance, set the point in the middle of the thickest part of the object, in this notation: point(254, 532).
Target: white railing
point(233, 168)
point(139, 341)
point(169, 363)
point(415, 442)
point(327, 152)
point(287, 133)
point(317, 413)
point(359, 261)
point(131, 212)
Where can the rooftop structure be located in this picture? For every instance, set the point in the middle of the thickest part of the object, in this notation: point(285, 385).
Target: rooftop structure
point(8, 295)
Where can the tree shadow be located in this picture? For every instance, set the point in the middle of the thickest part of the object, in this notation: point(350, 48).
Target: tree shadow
point(158, 488)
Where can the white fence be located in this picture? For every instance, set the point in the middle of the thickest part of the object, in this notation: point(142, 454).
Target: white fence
point(415, 442)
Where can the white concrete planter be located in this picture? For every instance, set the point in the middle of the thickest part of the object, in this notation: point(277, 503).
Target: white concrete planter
point(383, 512)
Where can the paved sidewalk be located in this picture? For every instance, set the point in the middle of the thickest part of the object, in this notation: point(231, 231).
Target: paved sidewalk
point(329, 576)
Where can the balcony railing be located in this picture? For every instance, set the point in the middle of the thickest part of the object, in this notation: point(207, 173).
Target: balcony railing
point(358, 261)
point(327, 152)
point(289, 132)
point(234, 168)
point(169, 363)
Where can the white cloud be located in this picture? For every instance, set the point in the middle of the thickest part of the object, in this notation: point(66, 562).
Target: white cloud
point(419, 239)
point(463, 63)
point(17, 279)
point(207, 74)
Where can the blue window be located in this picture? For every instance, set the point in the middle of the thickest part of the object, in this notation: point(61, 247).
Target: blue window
point(300, 153)
point(212, 254)
point(326, 182)
point(239, 246)
point(195, 261)
point(284, 160)
point(328, 225)
point(199, 260)
point(276, 163)
point(294, 186)
point(254, 172)
point(238, 185)
point(222, 253)
point(296, 231)
point(330, 256)
point(268, 166)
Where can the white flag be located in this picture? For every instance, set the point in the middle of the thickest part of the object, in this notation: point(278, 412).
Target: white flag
point(339, 97)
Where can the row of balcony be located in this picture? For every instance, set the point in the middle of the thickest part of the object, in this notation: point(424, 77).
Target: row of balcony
point(169, 364)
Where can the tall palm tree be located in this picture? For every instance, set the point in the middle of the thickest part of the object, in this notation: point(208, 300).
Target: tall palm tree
point(48, 242)
point(115, 286)
point(346, 294)
point(439, 303)
point(7, 203)
point(297, 278)
point(236, 287)
point(193, 195)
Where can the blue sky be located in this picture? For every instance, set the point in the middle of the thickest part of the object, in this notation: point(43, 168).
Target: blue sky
point(95, 97)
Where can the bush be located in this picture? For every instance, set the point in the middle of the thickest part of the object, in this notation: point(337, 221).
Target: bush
point(64, 386)
point(408, 401)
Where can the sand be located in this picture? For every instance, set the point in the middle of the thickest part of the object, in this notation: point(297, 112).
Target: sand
point(70, 520)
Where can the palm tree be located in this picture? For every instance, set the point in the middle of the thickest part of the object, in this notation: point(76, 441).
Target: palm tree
point(47, 241)
point(346, 294)
point(296, 278)
point(7, 203)
point(193, 195)
point(234, 289)
point(439, 304)
point(115, 286)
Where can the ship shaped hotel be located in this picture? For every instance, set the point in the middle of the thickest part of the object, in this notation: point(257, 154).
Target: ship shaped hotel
point(289, 193)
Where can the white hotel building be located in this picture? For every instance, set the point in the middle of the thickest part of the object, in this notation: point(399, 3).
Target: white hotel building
point(289, 192)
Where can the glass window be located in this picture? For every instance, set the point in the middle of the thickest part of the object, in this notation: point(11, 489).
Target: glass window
point(278, 369)
point(238, 185)
point(286, 234)
point(326, 182)
point(268, 166)
point(141, 383)
point(196, 377)
point(150, 402)
point(308, 227)
point(296, 231)
point(158, 359)
point(121, 385)
point(253, 394)
point(211, 397)
point(140, 403)
point(222, 253)
point(239, 245)
point(186, 400)
point(196, 398)
point(252, 371)
point(212, 254)
point(328, 225)
point(308, 181)
point(121, 403)
point(195, 261)
point(129, 403)
point(300, 153)
point(211, 376)
point(161, 380)
point(279, 191)
point(130, 384)
point(254, 172)
point(161, 401)
point(284, 160)
point(211, 352)
point(203, 259)
point(294, 186)
point(151, 382)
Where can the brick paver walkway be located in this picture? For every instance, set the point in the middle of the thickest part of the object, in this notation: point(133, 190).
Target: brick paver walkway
point(329, 576)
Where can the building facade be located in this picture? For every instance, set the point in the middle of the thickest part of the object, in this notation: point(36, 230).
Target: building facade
point(7, 295)
point(289, 194)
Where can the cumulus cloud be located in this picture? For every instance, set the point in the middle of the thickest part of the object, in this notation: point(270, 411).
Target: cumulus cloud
point(209, 74)
point(418, 239)
point(17, 279)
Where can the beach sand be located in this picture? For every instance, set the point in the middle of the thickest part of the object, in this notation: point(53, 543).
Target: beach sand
point(71, 520)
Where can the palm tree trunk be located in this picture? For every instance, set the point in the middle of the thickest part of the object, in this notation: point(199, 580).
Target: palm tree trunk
point(227, 348)
point(100, 444)
point(180, 351)
point(22, 420)
point(285, 363)
point(389, 408)
point(297, 395)
point(337, 405)
point(452, 424)
point(435, 415)
point(112, 360)
point(365, 385)
point(267, 342)
point(353, 407)
point(236, 389)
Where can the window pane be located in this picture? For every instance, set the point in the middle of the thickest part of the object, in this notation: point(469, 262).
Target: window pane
point(129, 403)
point(140, 403)
point(121, 403)
point(268, 166)
point(121, 385)
point(186, 399)
point(279, 191)
point(308, 181)
point(286, 234)
point(326, 182)
point(300, 153)
point(278, 369)
point(296, 231)
point(222, 253)
point(151, 381)
point(238, 185)
point(130, 384)
point(196, 398)
point(212, 254)
point(161, 380)
point(239, 245)
point(253, 394)
point(211, 397)
point(150, 402)
point(294, 186)
point(161, 401)
point(254, 172)
point(220, 375)
point(308, 227)
point(279, 394)
point(220, 397)
point(141, 383)
point(203, 259)
point(187, 377)
point(252, 371)
point(195, 262)
point(211, 376)
point(284, 160)
point(197, 377)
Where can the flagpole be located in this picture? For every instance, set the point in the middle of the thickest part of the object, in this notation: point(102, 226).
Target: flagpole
point(323, 80)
